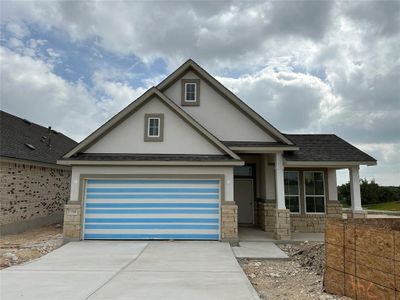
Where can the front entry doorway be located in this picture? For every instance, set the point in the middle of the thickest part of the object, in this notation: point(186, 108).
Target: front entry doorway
point(244, 198)
point(244, 193)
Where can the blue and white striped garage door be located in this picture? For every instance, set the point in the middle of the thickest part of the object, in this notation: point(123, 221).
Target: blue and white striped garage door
point(152, 209)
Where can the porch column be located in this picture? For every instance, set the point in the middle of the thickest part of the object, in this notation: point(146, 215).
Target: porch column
point(332, 185)
point(355, 193)
point(279, 183)
point(282, 215)
point(334, 208)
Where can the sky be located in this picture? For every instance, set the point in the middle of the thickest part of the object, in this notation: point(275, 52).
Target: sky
point(305, 66)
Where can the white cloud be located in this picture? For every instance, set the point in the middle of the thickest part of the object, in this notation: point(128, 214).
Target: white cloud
point(291, 101)
point(31, 90)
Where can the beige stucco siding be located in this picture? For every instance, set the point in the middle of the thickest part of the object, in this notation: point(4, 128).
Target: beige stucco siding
point(218, 115)
point(179, 172)
point(179, 136)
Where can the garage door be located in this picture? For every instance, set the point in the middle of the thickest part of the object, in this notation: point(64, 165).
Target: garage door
point(152, 209)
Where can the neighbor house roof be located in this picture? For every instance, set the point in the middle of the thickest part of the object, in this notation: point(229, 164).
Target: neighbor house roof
point(325, 147)
point(22, 139)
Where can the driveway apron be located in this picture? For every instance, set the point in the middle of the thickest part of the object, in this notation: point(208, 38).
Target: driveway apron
point(130, 270)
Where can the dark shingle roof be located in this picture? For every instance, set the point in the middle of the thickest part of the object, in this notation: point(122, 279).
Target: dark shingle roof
point(147, 157)
point(253, 144)
point(324, 147)
point(22, 139)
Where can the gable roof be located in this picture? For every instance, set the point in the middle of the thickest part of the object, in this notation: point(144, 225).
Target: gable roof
point(327, 148)
point(22, 139)
point(227, 94)
point(131, 108)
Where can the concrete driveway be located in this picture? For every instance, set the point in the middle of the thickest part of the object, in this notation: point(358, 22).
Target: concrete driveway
point(130, 270)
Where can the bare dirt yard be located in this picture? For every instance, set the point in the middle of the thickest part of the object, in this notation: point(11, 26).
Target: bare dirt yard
point(300, 277)
point(31, 244)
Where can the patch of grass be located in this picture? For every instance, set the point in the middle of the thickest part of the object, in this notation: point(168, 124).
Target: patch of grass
point(393, 206)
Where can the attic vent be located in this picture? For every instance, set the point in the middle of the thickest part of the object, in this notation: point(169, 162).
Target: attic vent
point(27, 121)
point(30, 146)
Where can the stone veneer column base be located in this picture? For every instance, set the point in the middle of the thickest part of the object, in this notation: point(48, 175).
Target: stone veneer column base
point(282, 224)
point(334, 209)
point(266, 216)
point(229, 222)
point(72, 222)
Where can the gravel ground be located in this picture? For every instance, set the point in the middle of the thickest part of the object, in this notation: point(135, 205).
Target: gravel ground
point(31, 244)
point(300, 277)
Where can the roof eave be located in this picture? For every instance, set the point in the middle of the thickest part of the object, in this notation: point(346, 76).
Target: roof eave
point(239, 149)
point(148, 163)
point(333, 164)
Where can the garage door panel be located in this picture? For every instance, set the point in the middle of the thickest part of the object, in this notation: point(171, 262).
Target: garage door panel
point(162, 182)
point(152, 226)
point(131, 236)
point(152, 209)
point(151, 220)
point(152, 205)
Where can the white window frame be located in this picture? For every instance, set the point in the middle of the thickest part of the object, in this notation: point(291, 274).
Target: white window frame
point(298, 191)
point(305, 193)
point(195, 91)
point(148, 127)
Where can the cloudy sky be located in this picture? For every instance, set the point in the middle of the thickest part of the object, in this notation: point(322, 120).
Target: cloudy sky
point(306, 66)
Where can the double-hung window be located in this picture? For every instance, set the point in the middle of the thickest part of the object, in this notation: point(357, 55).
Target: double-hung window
point(292, 194)
point(190, 92)
point(314, 190)
point(154, 127)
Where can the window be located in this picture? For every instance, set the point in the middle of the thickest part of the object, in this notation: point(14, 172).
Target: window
point(314, 190)
point(153, 127)
point(292, 195)
point(154, 130)
point(190, 92)
point(243, 171)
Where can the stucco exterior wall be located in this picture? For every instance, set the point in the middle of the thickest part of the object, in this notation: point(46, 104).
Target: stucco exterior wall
point(128, 137)
point(218, 115)
point(77, 171)
point(31, 195)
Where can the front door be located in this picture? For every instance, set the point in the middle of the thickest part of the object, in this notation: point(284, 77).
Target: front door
point(244, 198)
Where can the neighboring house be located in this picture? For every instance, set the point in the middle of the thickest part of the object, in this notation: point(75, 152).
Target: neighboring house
point(33, 188)
point(189, 160)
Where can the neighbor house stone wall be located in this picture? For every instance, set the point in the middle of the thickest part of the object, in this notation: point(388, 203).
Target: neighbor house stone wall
point(229, 222)
point(362, 258)
point(31, 195)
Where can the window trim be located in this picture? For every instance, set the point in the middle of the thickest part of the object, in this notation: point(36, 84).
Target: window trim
point(195, 102)
point(298, 191)
point(305, 193)
point(147, 137)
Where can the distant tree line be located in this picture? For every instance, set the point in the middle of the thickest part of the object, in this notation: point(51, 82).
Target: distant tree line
point(371, 192)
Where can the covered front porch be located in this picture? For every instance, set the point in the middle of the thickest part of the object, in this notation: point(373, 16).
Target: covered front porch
point(280, 199)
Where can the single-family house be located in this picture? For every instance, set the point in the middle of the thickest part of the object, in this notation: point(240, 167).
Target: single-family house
point(189, 160)
point(33, 188)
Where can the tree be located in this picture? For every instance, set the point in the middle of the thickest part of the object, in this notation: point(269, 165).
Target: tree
point(371, 192)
